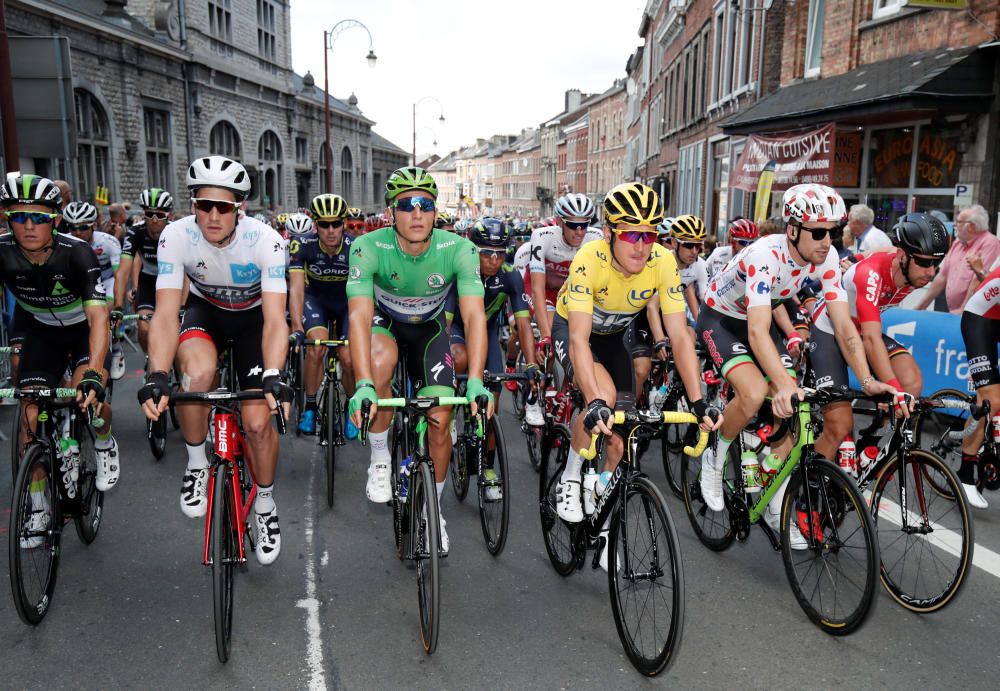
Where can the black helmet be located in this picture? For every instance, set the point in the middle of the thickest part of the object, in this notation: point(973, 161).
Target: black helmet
point(921, 234)
point(490, 232)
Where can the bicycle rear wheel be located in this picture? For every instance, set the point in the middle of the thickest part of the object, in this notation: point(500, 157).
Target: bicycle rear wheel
point(88, 522)
point(16, 450)
point(156, 434)
point(713, 528)
point(225, 553)
point(646, 578)
point(424, 528)
point(494, 514)
point(561, 539)
point(33, 545)
point(936, 428)
point(331, 409)
point(924, 562)
point(835, 578)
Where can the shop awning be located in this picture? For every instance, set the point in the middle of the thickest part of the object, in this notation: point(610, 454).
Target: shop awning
point(948, 81)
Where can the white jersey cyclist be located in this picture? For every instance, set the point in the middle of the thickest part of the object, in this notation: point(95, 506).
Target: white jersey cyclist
point(109, 253)
point(695, 273)
point(550, 255)
point(230, 277)
point(764, 273)
point(719, 257)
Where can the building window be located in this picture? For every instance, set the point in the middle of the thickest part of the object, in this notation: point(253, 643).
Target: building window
point(269, 154)
point(224, 140)
point(883, 8)
point(157, 129)
point(814, 38)
point(93, 145)
point(323, 187)
point(266, 33)
point(732, 50)
point(364, 173)
point(719, 54)
point(346, 171)
point(689, 179)
point(302, 151)
point(220, 26)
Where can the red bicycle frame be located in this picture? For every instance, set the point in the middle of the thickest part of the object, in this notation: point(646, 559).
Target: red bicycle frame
point(229, 448)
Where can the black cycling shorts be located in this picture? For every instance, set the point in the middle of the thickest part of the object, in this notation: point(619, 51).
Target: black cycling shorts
point(610, 350)
point(495, 355)
point(638, 338)
point(981, 336)
point(242, 331)
point(828, 364)
point(145, 292)
point(49, 350)
point(727, 342)
point(319, 312)
point(427, 349)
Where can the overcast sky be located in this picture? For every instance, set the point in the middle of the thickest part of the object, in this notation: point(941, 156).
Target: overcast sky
point(494, 67)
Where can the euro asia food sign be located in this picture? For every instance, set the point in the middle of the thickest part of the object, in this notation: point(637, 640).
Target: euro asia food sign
point(796, 159)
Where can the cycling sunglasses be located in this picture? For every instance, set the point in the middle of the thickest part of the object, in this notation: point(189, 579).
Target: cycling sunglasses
point(927, 262)
point(206, 205)
point(159, 215)
point(648, 237)
point(574, 225)
point(330, 224)
point(819, 233)
point(745, 243)
point(36, 217)
point(491, 254)
point(691, 245)
point(79, 228)
point(407, 205)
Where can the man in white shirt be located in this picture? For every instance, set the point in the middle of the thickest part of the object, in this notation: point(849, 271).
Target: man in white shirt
point(861, 236)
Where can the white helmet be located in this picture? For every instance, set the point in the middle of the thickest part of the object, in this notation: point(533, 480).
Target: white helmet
point(297, 224)
point(219, 171)
point(812, 203)
point(78, 213)
point(575, 205)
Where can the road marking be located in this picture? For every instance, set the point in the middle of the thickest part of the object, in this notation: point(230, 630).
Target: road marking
point(945, 539)
point(314, 645)
point(325, 559)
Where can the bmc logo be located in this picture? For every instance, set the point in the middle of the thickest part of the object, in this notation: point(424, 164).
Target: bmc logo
point(245, 273)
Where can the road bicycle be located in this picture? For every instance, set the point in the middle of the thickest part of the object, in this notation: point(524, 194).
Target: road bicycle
point(55, 481)
point(835, 577)
point(232, 489)
point(942, 429)
point(559, 407)
point(331, 411)
point(645, 574)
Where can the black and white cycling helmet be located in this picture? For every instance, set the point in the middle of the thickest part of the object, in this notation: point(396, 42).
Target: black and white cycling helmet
point(575, 205)
point(79, 213)
point(298, 224)
point(156, 198)
point(219, 171)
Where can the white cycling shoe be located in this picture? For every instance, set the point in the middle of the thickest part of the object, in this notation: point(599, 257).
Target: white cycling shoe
point(379, 487)
point(194, 492)
point(268, 545)
point(568, 503)
point(533, 415)
point(711, 480)
point(796, 540)
point(975, 497)
point(108, 468)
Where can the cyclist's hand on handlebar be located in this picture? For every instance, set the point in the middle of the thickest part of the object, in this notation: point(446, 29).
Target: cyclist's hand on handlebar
point(781, 403)
point(473, 390)
point(662, 348)
point(599, 417)
point(154, 395)
point(276, 392)
point(297, 339)
point(710, 417)
point(793, 344)
point(90, 389)
point(365, 391)
point(543, 346)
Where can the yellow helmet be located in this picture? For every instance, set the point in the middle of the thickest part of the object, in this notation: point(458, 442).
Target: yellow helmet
point(354, 213)
point(281, 218)
point(327, 206)
point(688, 228)
point(634, 204)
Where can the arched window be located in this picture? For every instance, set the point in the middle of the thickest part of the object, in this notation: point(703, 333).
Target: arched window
point(324, 188)
point(224, 140)
point(93, 144)
point(269, 154)
point(346, 169)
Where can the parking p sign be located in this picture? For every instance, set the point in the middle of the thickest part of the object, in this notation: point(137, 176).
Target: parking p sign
point(963, 195)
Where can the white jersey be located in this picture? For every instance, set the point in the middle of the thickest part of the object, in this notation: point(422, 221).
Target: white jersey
point(719, 257)
point(695, 273)
point(765, 273)
point(521, 257)
point(109, 254)
point(550, 255)
point(231, 277)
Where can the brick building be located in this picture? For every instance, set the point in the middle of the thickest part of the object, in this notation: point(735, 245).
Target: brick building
point(151, 95)
point(606, 141)
point(577, 141)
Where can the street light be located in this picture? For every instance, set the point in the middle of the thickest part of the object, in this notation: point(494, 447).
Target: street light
point(440, 119)
point(434, 142)
point(328, 38)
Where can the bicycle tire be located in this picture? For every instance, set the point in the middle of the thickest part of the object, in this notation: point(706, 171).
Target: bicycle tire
point(330, 411)
point(16, 451)
point(534, 436)
point(458, 468)
point(714, 529)
point(398, 452)
point(898, 576)
point(672, 453)
point(33, 571)
point(88, 521)
point(424, 528)
point(834, 500)
point(225, 553)
point(664, 581)
point(561, 539)
point(156, 434)
point(494, 514)
point(933, 425)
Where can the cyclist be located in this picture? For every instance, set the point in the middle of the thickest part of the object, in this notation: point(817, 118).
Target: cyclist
point(737, 330)
point(80, 218)
point(236, 269)
point(297, 225)
point(399, 280)
point(552, 252)
point(141, 240)
point(878, 282)
point(741, 232)
point(663, 232)
point(354, 223)
point(317, 283)
point(61, 311)
point(688, 237)
point(445, 221)
point(609, 284)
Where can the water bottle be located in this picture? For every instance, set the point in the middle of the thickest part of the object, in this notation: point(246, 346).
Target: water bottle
point(602, 484)
point(69, 451)
point(847, 457)
point(589, 483)
point(995, 426)
point(770, 464)
point(404, 476)
point(751, 472)
point(867, 457)
point(657, 398)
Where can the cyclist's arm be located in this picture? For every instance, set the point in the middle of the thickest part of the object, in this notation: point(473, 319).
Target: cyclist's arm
point(164, 329)
point(691, 297)
point(580, 327)
point(653, 317)
point(538, 300)
point(526, 337)
point(360, 311)
point(783, 321)
point(682, 346)
point(848, 339)
point(518, 305)
point(274, 339)
point(122, 278)
point(759, 318)
point(136, 271)
point(296, 298)
point(878, 354)
point(100, 332)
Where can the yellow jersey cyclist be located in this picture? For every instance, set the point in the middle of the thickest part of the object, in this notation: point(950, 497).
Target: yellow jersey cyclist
point(609, 285)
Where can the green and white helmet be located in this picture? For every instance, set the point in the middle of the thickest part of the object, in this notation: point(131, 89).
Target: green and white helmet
point(409, 179)
point(156, 198)
point(30, 189)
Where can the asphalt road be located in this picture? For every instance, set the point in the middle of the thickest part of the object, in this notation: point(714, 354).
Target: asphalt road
point(338, 610)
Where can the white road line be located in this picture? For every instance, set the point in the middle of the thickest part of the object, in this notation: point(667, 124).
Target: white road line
point(314, 645)
point(945, 539)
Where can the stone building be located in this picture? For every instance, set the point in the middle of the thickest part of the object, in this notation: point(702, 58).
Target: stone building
point(155, 88)
point(605, 141)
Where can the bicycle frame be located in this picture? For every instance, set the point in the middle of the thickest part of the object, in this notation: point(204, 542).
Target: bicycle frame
point(806, 439)
point(229, 449)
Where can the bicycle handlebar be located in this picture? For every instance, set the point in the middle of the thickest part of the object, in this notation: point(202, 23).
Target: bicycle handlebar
point(669, 417)
point(220, 396)
point(419, 403)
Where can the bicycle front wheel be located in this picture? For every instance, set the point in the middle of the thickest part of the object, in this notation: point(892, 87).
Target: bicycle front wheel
point(225, 553)
point(713, 528)
point(33, 541)
point(425, 525)
point(156, 434)
point(494, 492)
point(560, 537)
point(331, 409)
point(646, 578)
point(926, 554)
point(834, 578)
point(672, 452)
point(534, 437)
point(88, 521)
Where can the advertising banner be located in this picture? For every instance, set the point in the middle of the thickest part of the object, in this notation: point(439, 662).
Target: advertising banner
point(797, 158)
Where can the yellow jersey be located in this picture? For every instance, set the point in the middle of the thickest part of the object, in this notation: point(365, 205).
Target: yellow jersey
point(594, 286)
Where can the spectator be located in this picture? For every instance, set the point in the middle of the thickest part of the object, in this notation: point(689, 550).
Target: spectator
point(65, 191)
point(710, 244)
point(772, 226)
point(860, 235)
point(975, 247)
point(116, 221)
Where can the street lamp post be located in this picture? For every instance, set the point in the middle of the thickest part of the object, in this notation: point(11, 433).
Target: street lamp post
point(440, 119)
point(328, 38)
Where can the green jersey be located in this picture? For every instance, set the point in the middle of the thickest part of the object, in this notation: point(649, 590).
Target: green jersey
point(407, 288)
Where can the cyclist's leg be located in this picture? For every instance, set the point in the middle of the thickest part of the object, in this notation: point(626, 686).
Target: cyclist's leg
point(981, 336)
point(145, 303)
point(459, 355)
point(830, 371)
point(384, 355)
point(639, 345)
point(429, 361)
point(314, 321)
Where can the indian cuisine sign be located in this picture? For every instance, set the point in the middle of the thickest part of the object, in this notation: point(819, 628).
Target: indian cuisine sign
point(797, 158)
